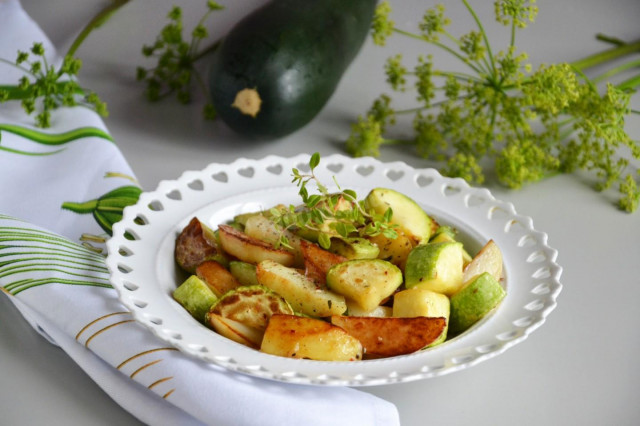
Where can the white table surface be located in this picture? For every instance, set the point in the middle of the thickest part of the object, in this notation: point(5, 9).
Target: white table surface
point(581, 367)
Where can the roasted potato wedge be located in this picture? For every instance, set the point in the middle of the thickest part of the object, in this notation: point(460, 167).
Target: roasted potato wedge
point(251, 250)
point(488, 259)
point(386, 337)
point(217, 277)
point(395, 250)
point(353, 310)
point(193, 247)
point(367, 282)
point(236, 331)
point(300, 337)
point(303, 294)
point(318, 261)
point(262, 228)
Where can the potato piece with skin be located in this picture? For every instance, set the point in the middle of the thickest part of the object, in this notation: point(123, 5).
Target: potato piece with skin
point(192, 247)
point(300, 337)
point(261, 228)
point(302, 293)
point(236, 331)
point(217, 277)
point(420, 302)
point(367, 282)
point(251, 250)
point(488, 259)
point(387, 337)
point(318, 261)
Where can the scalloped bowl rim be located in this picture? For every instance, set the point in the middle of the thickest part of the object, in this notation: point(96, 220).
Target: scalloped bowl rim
point(144, 273)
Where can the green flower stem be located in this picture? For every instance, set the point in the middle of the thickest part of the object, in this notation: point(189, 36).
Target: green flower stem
point(13, 64)
point(15, 93)
point(630, 84)
point(96, 22)
point(607, 55)
point(457, 75)
point(611, 40)
point(484, 36)
point(617, 70)
point(195, 43)
point(441, 46)
point(512, 42)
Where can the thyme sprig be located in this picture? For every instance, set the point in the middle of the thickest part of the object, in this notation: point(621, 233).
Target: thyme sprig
point(329, 214)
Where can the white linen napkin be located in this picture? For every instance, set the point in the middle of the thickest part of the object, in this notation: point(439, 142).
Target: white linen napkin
point(61, 188)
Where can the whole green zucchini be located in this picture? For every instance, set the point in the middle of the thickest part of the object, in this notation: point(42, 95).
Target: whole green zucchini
point(277, 68)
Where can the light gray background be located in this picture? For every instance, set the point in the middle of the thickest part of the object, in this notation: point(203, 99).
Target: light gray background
point(580, 367)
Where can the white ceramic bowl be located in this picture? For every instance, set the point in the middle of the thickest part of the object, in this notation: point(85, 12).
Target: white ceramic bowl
point(145, 274)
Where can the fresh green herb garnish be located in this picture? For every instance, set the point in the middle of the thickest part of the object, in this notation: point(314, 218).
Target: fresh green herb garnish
point(329, 213)
point(531, 124)
point(44, 88)
point(175, 71)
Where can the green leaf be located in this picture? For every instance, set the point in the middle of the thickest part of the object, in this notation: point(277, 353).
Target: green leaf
point(314, 161)
point(324, 240)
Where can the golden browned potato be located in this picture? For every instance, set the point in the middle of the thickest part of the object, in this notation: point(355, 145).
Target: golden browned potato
point(395, 250)
point(262, 228)
point(304, 295)
point(217, 277)
point(251, 250)
point(367, 282)
point(235, 330)
point(300, 337)
point(318, 261)
point(387, 337)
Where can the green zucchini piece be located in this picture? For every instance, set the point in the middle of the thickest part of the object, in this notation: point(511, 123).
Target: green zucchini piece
point(407, 214)
point(195, 296)
point(277, 68)
point(446, 234)
point(354, 248)
point(436, 267)
point(244, 272)
point(476, 299)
